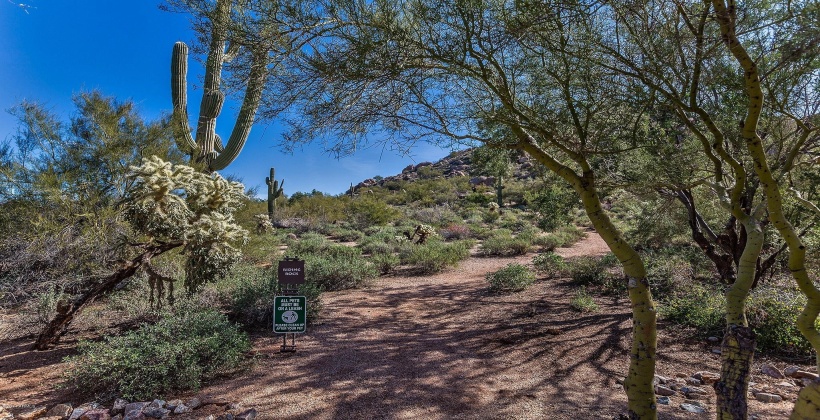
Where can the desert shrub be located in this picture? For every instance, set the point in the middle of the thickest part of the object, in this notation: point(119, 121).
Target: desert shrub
point(455, 232)
point(772, 313)
point(261, 248)
point(364, 211)
point(479, 198)
point(502, 243)
point(377, 247)
point(554, 204)
point(602, 273)
point(345, 235)
point(560, 238)
point(512, 278)
point(697, 305)
point(549, 263)
point(385, 263)
point(177, 353)
point(582, 301)
point(436, 216)
point(434, 256)
point(479, 232)
point(341, 271)
point(248, 295)
point(308, 243)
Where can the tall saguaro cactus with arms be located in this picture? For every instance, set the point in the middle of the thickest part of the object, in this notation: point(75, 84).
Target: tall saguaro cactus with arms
point(274, 192)
point(206, 146)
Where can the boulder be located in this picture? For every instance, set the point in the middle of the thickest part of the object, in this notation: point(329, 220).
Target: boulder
point(134, 415)
point(156, 412)
point(692, 408)
point(32, 413)
point(182, 408)
point(135, 406)
point(707, 377)
point(768, 398)
point(194, 403)
point(60, 410)
point(772, 371)
point(249, 414)
point(790, 370)
point(96, 414)
point(77, 412)
point(119, 406)
point(664, 391)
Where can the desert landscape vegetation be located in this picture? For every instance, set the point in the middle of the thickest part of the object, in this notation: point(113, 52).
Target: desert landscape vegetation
point(626, 226)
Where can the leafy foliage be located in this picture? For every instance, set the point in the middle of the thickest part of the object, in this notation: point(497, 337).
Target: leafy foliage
point(177, 353)
point(512, 278)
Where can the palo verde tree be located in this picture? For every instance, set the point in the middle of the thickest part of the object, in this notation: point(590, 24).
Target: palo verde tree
point(442, 71)
point(808, 404)
point(684, 64)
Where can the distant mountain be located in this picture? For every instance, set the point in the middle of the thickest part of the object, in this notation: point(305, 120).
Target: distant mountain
point(455, 165)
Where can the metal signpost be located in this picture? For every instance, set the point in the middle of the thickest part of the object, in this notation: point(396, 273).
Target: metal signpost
point(289, 311)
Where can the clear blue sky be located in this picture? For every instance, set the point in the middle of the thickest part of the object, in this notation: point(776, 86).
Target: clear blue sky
point(123, 48)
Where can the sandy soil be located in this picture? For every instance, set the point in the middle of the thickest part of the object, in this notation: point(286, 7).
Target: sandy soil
point(437, 347)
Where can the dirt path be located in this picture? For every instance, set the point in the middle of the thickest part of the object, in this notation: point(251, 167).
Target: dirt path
point(442, 347)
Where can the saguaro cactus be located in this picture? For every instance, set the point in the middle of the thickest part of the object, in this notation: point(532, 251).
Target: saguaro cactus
point(207, 147)
point(274, 192)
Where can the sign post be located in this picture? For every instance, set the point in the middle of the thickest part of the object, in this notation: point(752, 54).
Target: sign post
point(290, 311)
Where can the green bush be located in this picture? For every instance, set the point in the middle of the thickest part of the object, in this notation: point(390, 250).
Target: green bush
point(554, 204)
point(696, 306)
point(339, 272)
point(248, 294)
point(582, 301)
point(502, 243)
point(177, 353)
point(512, 278)
point(551, 264)
point(434, 256)
point(346, 235)
point(364, 212)
point(385, 263)
point(772, 313)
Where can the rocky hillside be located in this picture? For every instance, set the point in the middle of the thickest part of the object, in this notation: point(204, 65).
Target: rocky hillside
point(454, 165)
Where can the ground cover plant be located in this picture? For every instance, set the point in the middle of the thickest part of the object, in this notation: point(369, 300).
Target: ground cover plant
point(512, 278)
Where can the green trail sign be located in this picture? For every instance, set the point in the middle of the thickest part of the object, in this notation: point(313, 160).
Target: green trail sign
point(289, 314)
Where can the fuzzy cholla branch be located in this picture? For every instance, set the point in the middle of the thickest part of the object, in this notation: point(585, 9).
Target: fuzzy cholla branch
point(174, 202)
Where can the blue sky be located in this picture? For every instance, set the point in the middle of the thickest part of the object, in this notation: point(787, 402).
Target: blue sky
point(123, 48)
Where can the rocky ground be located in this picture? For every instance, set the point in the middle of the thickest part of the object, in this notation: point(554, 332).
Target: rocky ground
point(438, 347)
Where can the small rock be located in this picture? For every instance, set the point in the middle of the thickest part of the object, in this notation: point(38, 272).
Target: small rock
point(707, 377)
point(768, 398)
point(226, 416)
point(60, 410)
point(785, 384)
point(248, 414)
point(619, 381)
point(664, 391)
point(802, 374)
point(134, 415)
point(681, 375)
point(117, 417)
point(157, 404)
point(172, 405)
point(96, 414)
point(716, 351)
point(695, 403)
point(135, 406)
point(156, 412)
point(790, 370)
point(772, 371)
point(182, 408)
point(32, 413)
point(234, 406)
point(663, 400)
point(692, 408)
point(697, 396)
point(713, 339)
point(119, 406)
point(77, 412)
point(658, 379)
point(694, 381)
point(693, 390)
point(194, 403)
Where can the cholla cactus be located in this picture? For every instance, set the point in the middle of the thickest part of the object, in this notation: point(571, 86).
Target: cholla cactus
point(493, 207)
point(423, 232)
point(263, 224)
point(175, 202)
